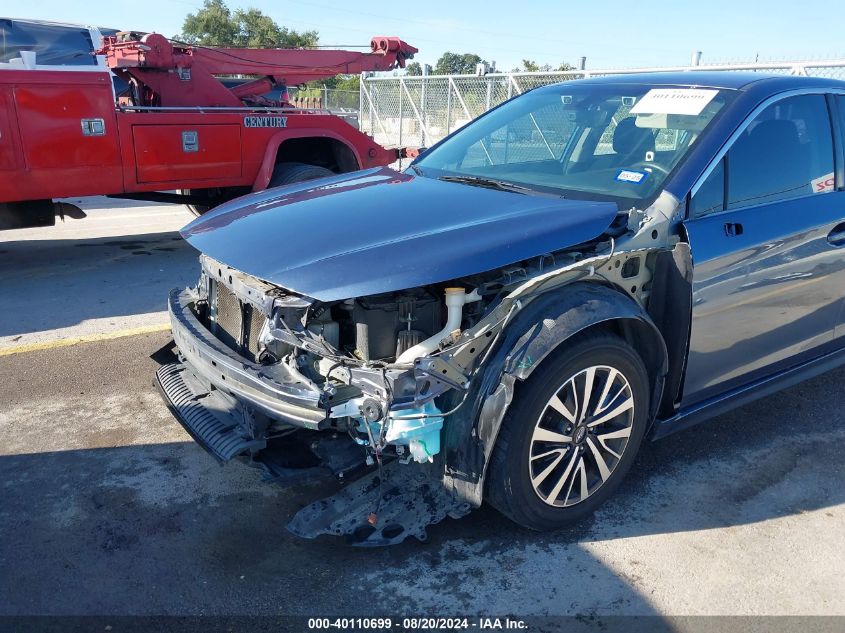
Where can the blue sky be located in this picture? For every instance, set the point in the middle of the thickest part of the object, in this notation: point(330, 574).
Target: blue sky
point(608, 33)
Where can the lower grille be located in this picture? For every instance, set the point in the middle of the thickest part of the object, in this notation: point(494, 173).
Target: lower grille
point(237, 324)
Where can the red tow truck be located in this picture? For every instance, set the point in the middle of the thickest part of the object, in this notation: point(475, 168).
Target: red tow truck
point(177, 131)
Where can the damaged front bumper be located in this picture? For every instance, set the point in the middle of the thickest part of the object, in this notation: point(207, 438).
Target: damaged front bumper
point(282, 394)
point(209, 416)
point(407, 497)
point(215, 394)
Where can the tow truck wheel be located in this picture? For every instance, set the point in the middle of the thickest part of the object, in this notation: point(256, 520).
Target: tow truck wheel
point(289, 173)
point(213, 196)
point(570, 434)
point(283, 174)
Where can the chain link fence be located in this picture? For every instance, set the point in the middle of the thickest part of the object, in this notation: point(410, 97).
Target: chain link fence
point(419, 111)
point(343, 101)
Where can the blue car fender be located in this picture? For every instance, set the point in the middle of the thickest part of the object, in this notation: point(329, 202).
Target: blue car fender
point(536, 331)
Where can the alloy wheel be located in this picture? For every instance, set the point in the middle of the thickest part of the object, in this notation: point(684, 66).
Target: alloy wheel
point(581, 435)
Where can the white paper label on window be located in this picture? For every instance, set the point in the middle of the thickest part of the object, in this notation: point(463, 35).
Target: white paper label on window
point(689, 101)
point(823, 184)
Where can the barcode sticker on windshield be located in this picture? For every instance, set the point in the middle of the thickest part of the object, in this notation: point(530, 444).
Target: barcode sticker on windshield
point(627, 175)
point(674, 101)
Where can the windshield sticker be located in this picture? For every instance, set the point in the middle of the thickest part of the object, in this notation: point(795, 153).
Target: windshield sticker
point(824, 184)
point(690, 101)
point(627, 175)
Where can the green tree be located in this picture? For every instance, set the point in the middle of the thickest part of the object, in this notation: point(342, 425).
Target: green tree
point(298, 39)
point(413, 69)
point(530, 66)
point(455, 64)
point(341, 82)
point(256, 30)
point(349, 82)
point(210, 26)
point(215, 25)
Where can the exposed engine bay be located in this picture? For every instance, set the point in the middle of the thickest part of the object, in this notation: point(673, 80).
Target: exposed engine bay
point(367, 358)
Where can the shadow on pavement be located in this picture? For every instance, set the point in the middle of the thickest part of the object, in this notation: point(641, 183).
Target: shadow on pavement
point(161, 529)
point(61, 283)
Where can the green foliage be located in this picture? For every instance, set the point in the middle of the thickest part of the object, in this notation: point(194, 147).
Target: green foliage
point(210, 26)
point(215, 25)
point(455, 64)
point(530, 66)
point(413, 69)
point(341, 82)
point(348, 82)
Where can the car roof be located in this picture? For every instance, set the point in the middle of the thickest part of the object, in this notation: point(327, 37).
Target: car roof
point(714, 79)
point(74, 25)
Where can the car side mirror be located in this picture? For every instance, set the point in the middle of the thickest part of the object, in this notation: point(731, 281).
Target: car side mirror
point(415, 153)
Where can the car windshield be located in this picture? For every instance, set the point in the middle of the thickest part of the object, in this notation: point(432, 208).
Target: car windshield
point(607, 142)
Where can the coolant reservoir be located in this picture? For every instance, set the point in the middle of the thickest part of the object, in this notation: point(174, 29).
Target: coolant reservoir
point(420, 435)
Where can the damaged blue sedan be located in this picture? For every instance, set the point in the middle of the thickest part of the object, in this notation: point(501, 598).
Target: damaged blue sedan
point(587, 265)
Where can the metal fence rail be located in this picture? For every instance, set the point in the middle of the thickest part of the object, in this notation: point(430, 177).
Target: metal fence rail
point(419, 111)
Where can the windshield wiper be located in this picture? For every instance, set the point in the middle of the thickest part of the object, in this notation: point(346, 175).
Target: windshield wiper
point(489, 183)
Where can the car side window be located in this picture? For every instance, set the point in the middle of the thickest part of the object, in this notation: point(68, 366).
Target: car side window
point(710, 197)
point(54, 44)
point(786, 152)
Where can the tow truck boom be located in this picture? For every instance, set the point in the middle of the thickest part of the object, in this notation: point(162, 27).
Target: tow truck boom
point(164, 67)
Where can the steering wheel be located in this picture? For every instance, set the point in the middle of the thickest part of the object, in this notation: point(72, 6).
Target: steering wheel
point(645, 163)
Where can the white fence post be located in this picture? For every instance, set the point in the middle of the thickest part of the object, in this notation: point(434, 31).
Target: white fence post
point(420, 120)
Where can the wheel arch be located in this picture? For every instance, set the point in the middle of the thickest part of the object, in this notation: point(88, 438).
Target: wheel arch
point(605, 309)
point(545, 324)
point(293, 146)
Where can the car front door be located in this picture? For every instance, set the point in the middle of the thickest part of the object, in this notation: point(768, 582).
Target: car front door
point(838, 103)
point(767, 230)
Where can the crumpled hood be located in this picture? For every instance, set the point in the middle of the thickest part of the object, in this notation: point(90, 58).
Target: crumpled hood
point(379, 230)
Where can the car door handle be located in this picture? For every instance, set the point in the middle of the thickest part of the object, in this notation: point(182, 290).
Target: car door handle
point(732, 229)
point(837, 236)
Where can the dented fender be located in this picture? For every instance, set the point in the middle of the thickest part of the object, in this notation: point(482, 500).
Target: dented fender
point(535, 331)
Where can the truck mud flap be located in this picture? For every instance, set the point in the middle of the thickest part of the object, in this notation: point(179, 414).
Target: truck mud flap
point(382, 508)
point(206, 415)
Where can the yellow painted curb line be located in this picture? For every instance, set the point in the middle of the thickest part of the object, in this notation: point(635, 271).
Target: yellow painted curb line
point(91, 338)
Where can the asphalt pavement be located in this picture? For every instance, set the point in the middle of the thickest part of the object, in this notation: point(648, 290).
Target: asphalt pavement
point(108, 507)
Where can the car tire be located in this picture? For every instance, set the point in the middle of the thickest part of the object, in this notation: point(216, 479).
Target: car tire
point(290, 173)
point(550, 451)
